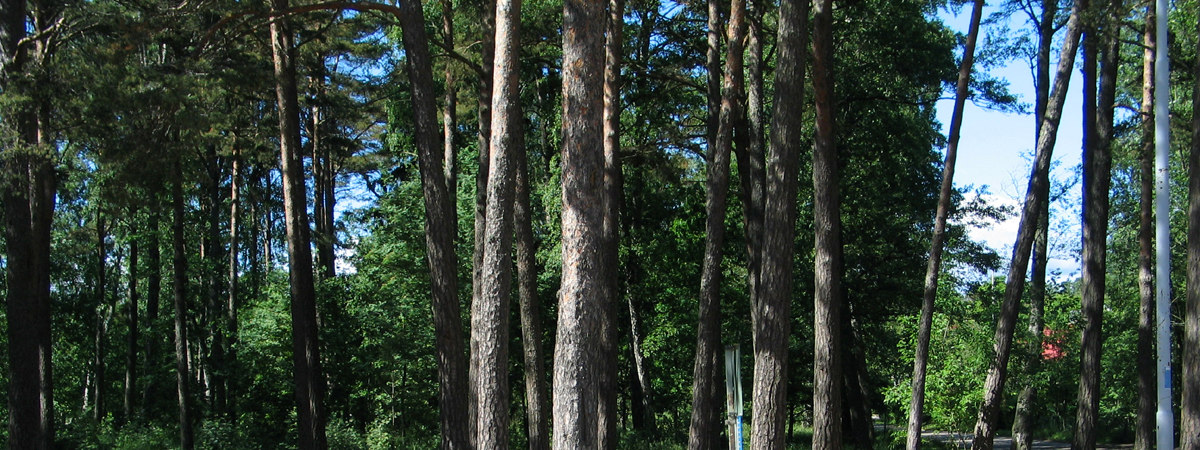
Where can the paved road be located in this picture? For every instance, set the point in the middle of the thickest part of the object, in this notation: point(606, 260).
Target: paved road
point(964, 441)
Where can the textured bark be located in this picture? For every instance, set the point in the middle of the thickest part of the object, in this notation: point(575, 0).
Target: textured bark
point(439, 235)
point(153, 290)
point(858, 430)
point(1189, 428)
point(1147, 383)
point(306, 359)
point(772, 310)
point(1022, 430)
point(99, 381)
point(827, 398)
point(490, 311)
point(1035, 203)
point(705, 425)
point(1099, 47)
point(576, 351)
point(606, 416)
point(131, 337)
point(179, 294)
point(537, 395)
point(484, 110)
point(232, 301)
point(934, 269)
point(450, 113)
point(28, 197)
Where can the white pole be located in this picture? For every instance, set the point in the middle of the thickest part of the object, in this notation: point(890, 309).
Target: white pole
point(1162, 197)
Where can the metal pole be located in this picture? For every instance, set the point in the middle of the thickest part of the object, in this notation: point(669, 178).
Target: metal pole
point(1162, 194)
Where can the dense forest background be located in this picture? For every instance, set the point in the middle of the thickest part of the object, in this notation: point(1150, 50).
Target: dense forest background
point(156, 247)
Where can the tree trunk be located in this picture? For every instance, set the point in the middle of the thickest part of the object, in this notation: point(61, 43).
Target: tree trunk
point(484, 114)
point(537, 398)
point(705, 424)
point(1035, 203)
point(153, 290)
point(1097, 172)
point(606, 416)
point(772, 311)
point(576, 352)
point(179, 290)
point(213, 315)
point(306, 359)
point(827, 399)
point(99, 381)
point(28, 194)
point(439, 235)
point(1022, 431)
point(232, 303)
point(857, 425)
point(323, 179)
point(450, 115)
point(1189, 429)
point(1147, 382)
point(131, 314)
point(491, 310)
point(934, 269)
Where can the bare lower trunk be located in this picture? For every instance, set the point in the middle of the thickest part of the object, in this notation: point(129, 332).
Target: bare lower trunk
point(306, 359)
point(1022, 431)
point(1147, 400)
point(537, 399)
point(491, 310)
point(131, 316)
point(857, 426)
point(1189, 429)
point(705, 426)
point(827, 399)
point(772, 310)
point(450, 114)
point(576, 352)
point(232, 302)
point(439, 235)
point(99, 381)
point(934, 269)
point(606, 416)
point(179, 291)
point(153, 290)
point(1035, 203)
point(1100, 46)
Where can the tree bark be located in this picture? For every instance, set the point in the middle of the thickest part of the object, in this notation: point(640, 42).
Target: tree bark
point(28, 194)
point(607, 416)
point(179, 290)
point(153, 290)
point(491, 310)
point(99, 381)
point(934, 269)
point(1022, 431)
point(131, 314)
point(576, 351)
point(705, 426)
point(484, 115)
point(1099, 47)
point(306, 359)
point(1035, 203)
point(1147, 382)
point(1189, 429)
point(537, 399)
point(450, 114)
point(439, 235)
point(827, 399)
point(233, 302)
point(857, 426)
point(772, 310)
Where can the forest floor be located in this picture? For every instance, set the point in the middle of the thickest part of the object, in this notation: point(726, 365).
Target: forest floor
point(963, 440)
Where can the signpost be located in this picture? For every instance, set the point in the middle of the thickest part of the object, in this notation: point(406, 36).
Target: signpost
point(733, 394)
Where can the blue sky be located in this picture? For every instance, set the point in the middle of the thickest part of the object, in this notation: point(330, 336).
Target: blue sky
point(996, 148)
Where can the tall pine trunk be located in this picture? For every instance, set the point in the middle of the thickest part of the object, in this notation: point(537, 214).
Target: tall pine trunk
point(153, 291)
point(577, 353)
point(1035, 203)
point(705, 423)
point(827, 358)
point(934, 269)
point(772, 310)
point(99, 380)
point(131, 316)
point(491, 310)
point(1189, 429)
point(1097, 170)
point(537, 395)
point(1147, 382)
point(306, 359)
point(607, 416)
point(179, 293)
point(439, 235)
point(232, 302)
